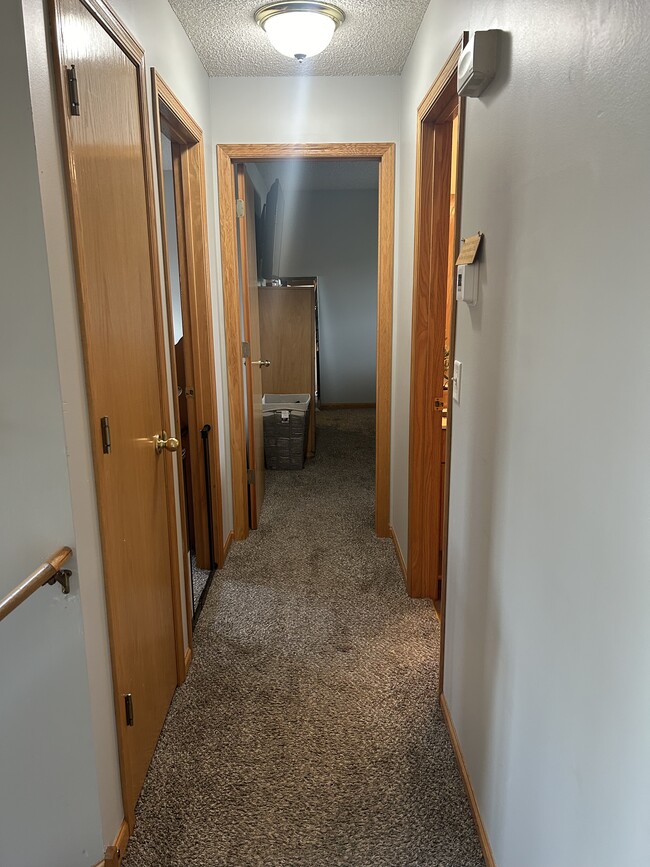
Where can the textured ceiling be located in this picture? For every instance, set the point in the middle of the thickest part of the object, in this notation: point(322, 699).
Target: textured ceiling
point(312, 175)
point(374, 39)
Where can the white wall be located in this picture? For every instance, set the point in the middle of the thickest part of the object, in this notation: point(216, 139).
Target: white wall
point(49, 802)
point(548, 647)
point(304, 109)
point(332, 234)
point(167, 48)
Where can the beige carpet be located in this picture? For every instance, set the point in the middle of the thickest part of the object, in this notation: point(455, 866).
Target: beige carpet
point(308, 733)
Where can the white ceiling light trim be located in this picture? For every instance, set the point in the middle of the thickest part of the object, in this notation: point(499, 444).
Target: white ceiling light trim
point(299, 29)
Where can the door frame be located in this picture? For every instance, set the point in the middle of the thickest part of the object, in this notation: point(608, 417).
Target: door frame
point(382, 153)
point(429, 273)
point(170, 116)
point(132, 49)
point(251, 334)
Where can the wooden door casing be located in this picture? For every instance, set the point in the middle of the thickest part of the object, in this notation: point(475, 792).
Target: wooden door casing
point(251, 320)
point(231, 154)
point(438, 176)
point(114, 244)
point(171, 118)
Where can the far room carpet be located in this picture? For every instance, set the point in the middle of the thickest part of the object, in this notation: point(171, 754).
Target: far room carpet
point(308, 732)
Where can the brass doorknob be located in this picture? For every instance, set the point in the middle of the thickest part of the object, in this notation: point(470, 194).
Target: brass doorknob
point(262, 363)
point(162, 441)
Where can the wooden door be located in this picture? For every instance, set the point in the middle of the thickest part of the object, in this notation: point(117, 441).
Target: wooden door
point(437, 144)
point(109, 176)
point(192, 464)
point(254, 362)
point(288, 333)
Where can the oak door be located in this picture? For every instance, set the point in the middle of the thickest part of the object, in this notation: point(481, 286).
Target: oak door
point(254, 361)
point(109, 175)
point(432, 335)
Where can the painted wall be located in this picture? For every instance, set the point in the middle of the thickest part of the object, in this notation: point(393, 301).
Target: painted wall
point(548, 647)
point(303, 109)
point(333, 234)
point(320, 109)
point(47, 762)
point(167, 48)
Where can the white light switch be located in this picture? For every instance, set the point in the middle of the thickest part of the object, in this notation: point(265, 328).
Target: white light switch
point(458, 369)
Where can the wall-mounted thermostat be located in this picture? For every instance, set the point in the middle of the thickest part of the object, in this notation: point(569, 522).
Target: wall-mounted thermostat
point(467, 283)
point(478, 63)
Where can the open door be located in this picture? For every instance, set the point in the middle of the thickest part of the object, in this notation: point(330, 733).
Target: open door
point(253, 362)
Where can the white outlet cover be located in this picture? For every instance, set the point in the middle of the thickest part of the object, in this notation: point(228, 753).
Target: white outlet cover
point(458, 369)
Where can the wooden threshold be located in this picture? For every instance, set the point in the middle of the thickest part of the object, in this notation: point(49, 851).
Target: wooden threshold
point(471, 796)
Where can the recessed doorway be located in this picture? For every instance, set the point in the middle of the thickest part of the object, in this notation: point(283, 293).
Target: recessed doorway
point(181, 179)
point(437, 200)
point(229, 157)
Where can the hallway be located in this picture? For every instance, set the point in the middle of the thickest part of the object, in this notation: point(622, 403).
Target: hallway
point(308, 731)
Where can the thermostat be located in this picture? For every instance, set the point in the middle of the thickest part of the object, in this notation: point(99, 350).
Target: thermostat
point(477, 64)
point(467, 283)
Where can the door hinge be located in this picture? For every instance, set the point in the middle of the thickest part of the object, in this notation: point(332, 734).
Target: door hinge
point(245, 349)
point(250, 475)
point(189, 391)
point(241, 207)
point(128, 707)
point(73, 90)
point(106, 435)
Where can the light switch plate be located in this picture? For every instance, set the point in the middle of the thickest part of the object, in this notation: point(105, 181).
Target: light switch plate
point(458, 369)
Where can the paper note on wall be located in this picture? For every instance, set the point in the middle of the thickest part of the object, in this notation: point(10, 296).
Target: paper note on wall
point(469, 249)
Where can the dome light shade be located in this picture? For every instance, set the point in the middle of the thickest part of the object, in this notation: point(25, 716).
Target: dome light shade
point(299, 29)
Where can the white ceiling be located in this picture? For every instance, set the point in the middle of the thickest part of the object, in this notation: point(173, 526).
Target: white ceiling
point(312, 175)
point(374, 39)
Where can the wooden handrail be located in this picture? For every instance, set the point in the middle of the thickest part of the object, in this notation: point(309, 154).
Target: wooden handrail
point(47, 573)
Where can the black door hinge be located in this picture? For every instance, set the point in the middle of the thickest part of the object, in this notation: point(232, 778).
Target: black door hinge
point(73, 90)
point(128, 707)
point(106, 435)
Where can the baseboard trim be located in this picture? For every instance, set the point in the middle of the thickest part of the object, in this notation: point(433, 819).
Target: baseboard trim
point(188, 659)
point(473, 803)
point(115, 853)
point(229, 542)
point(398, 551)
point(348, 406)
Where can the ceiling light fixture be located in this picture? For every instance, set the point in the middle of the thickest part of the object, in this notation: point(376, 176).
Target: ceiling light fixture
point(299, 29)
